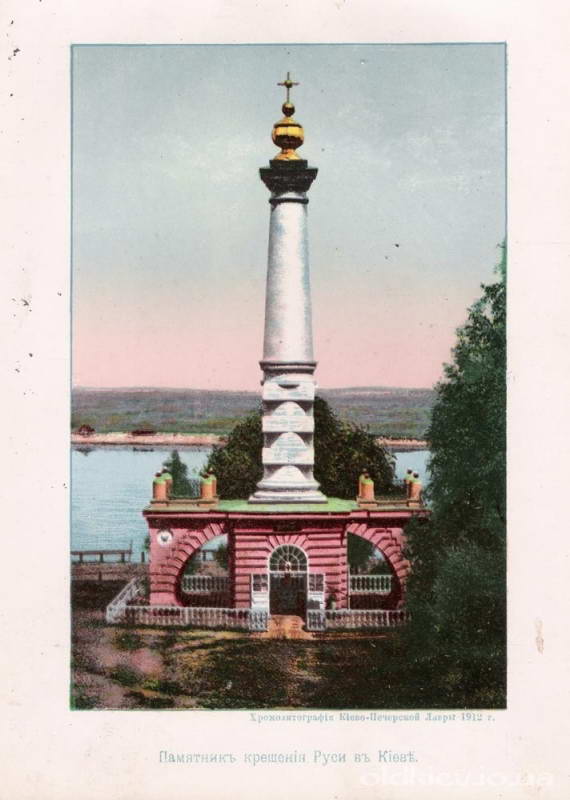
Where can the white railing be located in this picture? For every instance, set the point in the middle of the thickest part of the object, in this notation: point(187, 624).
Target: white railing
point(316, 620)
point(117, 606)
point(122, 610)
point(365, 618)
point(355, 619)
point(185, 616)
point(370, 584)
point(205, 583)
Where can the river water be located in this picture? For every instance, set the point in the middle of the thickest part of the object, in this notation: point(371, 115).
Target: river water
point(111, 486)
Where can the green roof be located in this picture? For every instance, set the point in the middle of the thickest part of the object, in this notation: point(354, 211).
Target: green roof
point(333, 505)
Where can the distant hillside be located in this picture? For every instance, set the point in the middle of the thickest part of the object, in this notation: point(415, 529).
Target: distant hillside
point(386, 411)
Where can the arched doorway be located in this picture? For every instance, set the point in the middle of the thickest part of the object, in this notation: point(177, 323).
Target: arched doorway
point(288, 568)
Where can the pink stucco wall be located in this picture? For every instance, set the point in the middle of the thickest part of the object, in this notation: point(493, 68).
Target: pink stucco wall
point(252, 538)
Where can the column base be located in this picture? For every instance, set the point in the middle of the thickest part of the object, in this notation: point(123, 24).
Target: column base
point(283, 495)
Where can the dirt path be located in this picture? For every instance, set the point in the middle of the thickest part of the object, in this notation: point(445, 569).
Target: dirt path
point(285, 626)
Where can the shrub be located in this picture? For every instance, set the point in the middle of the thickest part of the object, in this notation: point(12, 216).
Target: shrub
point(127, 640)
point(126, 676)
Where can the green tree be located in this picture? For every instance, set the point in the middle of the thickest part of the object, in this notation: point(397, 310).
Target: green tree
point(359, 551)
point(342, 451)
point(221, 556)
point(467, 433)
point(182, 486)
point(193, 564)
point(457, 587)
point(237, 465)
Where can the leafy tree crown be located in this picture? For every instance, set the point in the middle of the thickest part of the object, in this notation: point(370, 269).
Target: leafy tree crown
point(342, 451)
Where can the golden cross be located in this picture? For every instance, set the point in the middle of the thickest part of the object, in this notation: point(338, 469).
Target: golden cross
point(288, 83)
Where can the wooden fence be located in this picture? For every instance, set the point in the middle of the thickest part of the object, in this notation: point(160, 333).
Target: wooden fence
point(100, 555)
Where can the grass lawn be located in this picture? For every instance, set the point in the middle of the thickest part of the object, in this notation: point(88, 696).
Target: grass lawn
point(134, 668)
point(117, 667)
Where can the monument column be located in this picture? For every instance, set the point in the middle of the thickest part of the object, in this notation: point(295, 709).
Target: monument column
point(288, 363)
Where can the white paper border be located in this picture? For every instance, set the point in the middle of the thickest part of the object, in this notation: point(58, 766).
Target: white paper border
point(51, 752)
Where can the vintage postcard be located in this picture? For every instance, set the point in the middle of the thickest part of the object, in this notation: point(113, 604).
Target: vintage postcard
point(283, 539)
point(242, 547)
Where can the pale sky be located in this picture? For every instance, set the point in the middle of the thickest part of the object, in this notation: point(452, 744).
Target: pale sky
point(171, 219)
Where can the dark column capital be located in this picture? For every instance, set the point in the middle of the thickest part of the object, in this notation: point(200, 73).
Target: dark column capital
point(288, 176)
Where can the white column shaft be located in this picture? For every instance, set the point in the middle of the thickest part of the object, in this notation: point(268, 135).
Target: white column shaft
point(288, 325)
point(288, 362)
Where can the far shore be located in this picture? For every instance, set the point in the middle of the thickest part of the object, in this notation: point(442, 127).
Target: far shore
point(152, 439)
point(202, 440)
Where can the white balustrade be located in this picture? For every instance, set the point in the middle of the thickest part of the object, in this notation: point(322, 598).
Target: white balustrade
point(371, 584)
point(115, 609)
point(205, 583)
point(316, 620)
point(365, 619)
point(121, 610)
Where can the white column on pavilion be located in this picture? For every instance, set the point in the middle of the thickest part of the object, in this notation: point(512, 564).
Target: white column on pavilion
point(288, 362)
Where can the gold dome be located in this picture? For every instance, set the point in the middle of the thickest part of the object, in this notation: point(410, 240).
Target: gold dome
point(288, 134)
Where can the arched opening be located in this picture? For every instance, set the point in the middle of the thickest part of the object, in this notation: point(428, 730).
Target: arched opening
point(288, 566)
point(372, 580)
point(176, 574)
point(204, 580)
